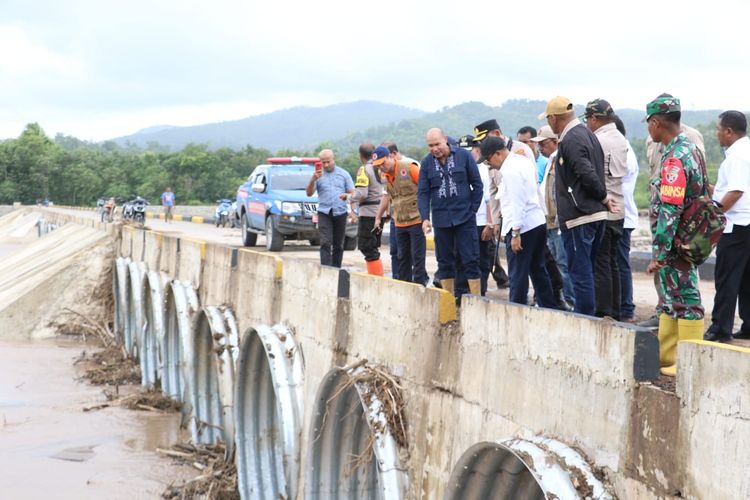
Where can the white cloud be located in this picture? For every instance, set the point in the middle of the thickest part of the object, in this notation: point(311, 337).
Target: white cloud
point(22, 57)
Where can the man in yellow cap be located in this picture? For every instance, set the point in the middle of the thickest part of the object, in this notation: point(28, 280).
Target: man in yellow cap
point(582, 201)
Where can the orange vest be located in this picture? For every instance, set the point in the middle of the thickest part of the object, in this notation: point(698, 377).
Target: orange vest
point(402, 187)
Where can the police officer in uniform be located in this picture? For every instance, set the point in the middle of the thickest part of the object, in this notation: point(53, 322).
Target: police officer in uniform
point(368, 190)
point(678, 182)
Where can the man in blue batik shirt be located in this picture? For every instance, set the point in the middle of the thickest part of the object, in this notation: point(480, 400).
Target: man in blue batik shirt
point(448, 196)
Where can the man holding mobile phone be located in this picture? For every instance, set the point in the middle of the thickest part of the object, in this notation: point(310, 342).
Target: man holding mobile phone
point(330, 182)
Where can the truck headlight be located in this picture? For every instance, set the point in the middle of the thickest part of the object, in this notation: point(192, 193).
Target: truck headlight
point(291, 208)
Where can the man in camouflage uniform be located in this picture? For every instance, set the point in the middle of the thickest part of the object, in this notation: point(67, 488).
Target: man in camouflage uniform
point(678, 182)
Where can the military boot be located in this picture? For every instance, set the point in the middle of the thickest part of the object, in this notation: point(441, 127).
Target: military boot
point(688, 329)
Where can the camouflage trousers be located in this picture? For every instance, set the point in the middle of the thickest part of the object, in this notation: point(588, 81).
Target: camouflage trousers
point(682, 297)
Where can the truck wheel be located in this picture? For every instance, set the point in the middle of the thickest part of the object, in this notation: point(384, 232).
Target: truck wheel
point(274, 239)
point(248, 238)
point(350, 243)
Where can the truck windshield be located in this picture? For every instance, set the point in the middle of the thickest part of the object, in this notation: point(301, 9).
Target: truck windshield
point(291, 180)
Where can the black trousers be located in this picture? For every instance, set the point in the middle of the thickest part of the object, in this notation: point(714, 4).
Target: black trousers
point(461, 285)
point(367, 241)
point(732, 278)
point(607, 271)
point(529, 263)
point(332, 229)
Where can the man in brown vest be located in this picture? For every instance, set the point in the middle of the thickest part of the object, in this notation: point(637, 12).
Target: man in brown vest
point(401, 178)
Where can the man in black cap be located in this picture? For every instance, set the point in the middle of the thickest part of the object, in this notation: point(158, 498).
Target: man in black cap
point(524, 224)
point(600, 119)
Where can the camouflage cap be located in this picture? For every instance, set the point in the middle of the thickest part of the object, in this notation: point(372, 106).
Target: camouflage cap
point(598, 107)
point(662, 105)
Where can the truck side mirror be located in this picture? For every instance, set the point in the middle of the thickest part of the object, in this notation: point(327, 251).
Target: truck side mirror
point(259, 187)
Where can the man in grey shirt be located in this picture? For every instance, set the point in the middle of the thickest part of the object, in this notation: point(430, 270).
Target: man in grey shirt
point(600, 119)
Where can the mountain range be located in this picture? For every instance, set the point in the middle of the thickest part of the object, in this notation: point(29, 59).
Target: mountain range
point(347, 125)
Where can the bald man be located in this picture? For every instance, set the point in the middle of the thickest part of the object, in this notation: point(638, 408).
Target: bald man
point(449, 193)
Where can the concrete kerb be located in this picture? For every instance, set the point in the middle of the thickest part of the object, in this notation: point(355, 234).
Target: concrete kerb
point(258, 287)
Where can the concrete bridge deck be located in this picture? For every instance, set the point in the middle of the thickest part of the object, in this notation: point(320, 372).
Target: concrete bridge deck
point(488, 403)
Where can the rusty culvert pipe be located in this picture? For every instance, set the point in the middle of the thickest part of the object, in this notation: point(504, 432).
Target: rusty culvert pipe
point(518, 469)
point(120, 286)
point(175, 351)
point(268, 413)
point(352, 454)
point(215, 348)
point(153, 328)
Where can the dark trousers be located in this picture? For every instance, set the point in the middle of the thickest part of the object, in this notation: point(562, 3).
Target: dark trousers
point(581, 244)
point(367, 241)
point(607, 271)
point(394, 250)
point(485, 263)
point(627, 308)
point(732, 278)
point(412, 250)
point(332, 229)
point(458, 240)
point(529, 263)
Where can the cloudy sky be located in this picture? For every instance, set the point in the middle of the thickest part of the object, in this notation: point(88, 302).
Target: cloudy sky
point(97, 69)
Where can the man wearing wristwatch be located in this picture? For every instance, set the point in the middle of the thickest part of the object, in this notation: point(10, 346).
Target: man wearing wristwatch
point(524, 224)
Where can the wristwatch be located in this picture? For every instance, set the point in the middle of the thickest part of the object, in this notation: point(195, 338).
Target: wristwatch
point(515, 233)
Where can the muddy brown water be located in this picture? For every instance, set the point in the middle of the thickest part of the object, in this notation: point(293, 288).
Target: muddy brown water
point(51, 448)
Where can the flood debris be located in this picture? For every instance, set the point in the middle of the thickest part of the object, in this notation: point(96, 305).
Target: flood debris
point(110, 367)
point(217, 479)
point(76, 323)
point(666, 383)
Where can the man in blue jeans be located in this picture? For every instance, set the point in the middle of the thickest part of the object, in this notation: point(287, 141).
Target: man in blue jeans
point(331, 182)
point(582, 200)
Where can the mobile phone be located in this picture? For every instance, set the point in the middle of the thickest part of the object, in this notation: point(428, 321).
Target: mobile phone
point(318, 166)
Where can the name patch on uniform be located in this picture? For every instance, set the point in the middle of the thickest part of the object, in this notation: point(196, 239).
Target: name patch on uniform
point(362, 179)
point(520, 151)
point(673, 182)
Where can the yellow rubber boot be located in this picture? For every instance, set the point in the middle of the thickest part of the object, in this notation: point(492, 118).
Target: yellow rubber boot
point(475, 287)
point(668, 336)
point(687, 329)
point(375, 267)
point(447, 285)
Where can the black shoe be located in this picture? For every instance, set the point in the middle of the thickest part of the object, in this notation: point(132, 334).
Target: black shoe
point(436, 283)
point(716, 337)
point(742, 335)
point(652, 322)
point(562, 304)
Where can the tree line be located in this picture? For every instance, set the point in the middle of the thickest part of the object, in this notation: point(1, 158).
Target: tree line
point(69, 171)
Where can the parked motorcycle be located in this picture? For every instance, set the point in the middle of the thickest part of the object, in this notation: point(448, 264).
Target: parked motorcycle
point(135, 210)
point(108, 210)
point(221, 215)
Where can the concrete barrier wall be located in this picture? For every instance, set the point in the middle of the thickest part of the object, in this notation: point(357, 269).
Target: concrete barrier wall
point(501, 371)
point(256, 289)
point(713, 384)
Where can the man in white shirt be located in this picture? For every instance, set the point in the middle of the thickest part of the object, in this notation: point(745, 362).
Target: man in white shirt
point(732, 273)
point(484, 223)
point(524, 224)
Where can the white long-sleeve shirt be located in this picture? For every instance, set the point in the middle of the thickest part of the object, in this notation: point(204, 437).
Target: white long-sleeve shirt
point(484, 174)
point(518, 195)
point(628, 188)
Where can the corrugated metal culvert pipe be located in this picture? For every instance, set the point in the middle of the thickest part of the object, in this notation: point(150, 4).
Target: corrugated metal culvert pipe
point(175, 351)
point(356, 437)
point(520, 469)
point(120, 291)
point(215, 347)
point(153, 328)
point(135, 322)
point(268, 413)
